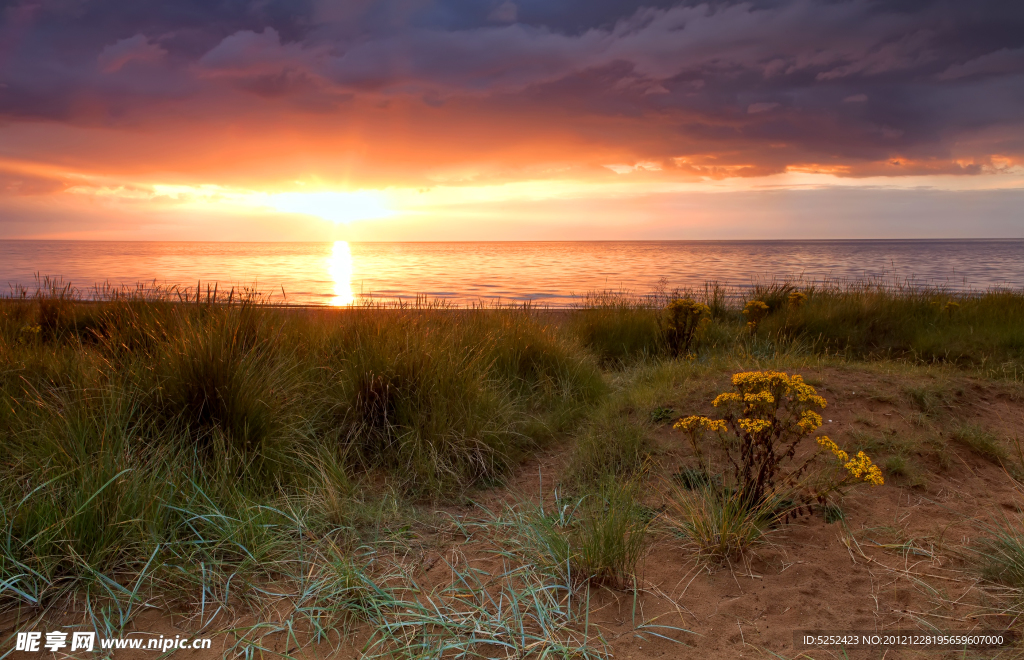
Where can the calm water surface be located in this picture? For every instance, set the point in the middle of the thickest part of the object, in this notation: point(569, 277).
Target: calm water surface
point(554, 273)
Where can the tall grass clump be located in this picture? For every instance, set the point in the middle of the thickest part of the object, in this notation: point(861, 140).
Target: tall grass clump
point(611, 444)
point(612, 528)
point(226, 380)
point(618, 327)
point(82, 497)
point(682, 319)
point(158, 442)
point(545, 368)
point(998, 553)
point(718, 523)
point(416, 404)
point(441, 401)
point(869, 320)
point(598, 537)
point(775, 294)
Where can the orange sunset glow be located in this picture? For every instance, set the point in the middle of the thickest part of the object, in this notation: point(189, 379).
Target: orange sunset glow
point(431, 121)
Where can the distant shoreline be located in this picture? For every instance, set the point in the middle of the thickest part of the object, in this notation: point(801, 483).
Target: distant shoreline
point(557, 274)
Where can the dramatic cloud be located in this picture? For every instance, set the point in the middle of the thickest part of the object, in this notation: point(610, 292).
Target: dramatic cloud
point(137, 48)
point(418, 93)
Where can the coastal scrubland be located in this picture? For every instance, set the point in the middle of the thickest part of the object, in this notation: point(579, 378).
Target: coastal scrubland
point(424, 481)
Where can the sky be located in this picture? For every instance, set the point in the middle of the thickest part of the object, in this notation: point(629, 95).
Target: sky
point(511, 119)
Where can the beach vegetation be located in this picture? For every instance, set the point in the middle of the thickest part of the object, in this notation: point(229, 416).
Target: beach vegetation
point(610, 444)
point(227, 460)
point(683, 317)
point(720, 524)
point(597, 537)
point(981, 441)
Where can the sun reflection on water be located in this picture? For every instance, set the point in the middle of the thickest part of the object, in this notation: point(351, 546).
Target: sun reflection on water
point(339, 265)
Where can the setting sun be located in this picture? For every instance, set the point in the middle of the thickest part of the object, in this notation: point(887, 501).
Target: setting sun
point(335, 206)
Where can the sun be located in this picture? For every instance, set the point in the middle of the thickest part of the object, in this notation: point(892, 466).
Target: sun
point(342, 207)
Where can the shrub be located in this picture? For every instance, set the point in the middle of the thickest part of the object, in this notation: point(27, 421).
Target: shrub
point(766, 417)
point(755, 311)
point(683, 316)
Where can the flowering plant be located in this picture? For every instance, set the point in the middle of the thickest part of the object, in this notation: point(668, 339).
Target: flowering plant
point(683, 316)
point(764, 419)
point(755, 311)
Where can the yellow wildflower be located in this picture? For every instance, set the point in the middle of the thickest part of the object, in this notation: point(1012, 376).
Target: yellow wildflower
point(760, 380)
point(809, 421)
point(755, 307)
point(797, 299)
point(829, 444)
point(726, 397)
point(861, 467)
point(698, 423)
point(805, 393)
point(755, 310)
point(688, 306)
point(760, 397)
point(751, 425)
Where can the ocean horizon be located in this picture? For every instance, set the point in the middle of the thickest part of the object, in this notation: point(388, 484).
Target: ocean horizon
point(549, 273)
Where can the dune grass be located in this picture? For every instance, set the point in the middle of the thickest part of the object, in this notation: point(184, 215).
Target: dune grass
point(862, 320)
point(981, 441)
point(872, 320)
point(718, 523)
point(998, 553)
point(142, 433)
point(610, 444)
point(596, 537)
point(207, 452)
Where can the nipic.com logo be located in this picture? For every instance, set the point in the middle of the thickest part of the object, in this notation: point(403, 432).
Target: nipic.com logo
point(35, 642)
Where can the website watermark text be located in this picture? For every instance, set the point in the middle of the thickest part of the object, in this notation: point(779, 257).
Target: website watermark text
point(36, 642)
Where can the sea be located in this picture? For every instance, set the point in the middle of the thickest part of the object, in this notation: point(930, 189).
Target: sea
point(551, 274)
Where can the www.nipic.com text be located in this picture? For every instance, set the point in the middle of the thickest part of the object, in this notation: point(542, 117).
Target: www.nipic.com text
point(88, 641)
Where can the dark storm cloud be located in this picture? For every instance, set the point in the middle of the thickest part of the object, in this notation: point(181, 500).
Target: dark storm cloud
point(866, 87)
